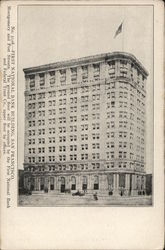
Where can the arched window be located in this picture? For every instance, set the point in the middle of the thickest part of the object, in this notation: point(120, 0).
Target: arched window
point(96, 182)
point(73, 180)
point(84, 183)
point(32, 184)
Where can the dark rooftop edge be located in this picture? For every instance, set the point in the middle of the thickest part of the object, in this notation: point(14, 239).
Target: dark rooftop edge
point(87, 59)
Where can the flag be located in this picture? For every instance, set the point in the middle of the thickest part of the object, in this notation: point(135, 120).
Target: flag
point(119, 30)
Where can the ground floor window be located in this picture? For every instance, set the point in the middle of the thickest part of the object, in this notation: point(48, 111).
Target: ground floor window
point(73, 180)
point(96, 182)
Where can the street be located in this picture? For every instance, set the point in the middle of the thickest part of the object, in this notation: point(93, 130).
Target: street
point(88, 200)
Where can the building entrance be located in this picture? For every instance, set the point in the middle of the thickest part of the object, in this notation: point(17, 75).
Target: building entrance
point(51, 183)
point(62, 184)
point(42, 186)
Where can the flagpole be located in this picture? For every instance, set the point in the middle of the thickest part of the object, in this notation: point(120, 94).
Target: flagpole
point(123, 37)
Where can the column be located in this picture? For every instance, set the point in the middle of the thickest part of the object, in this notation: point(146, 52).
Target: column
point(127, 186)
point(68, 77)
point(90, 186)
point(78, 183)
point(35, 183)
point(79, 74)
point(39, 183)
point(37, 82)
point(134, 190)
point(116, 185)
point(48, 183)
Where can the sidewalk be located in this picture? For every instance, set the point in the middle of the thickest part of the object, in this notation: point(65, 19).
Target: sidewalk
point(87, 200)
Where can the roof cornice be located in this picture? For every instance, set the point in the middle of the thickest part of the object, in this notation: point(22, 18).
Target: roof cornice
point(86, 60)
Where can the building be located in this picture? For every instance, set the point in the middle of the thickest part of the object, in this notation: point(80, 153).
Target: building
point(85, 125)
point(149, 184)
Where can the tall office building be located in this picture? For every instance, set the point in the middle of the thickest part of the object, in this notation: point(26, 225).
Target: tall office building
point(85, 125)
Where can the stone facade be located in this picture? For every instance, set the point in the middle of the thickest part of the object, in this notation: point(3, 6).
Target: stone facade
point(85, 125)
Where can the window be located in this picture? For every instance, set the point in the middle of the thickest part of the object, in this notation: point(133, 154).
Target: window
point(73, 75)
point(84, 89)
point(110, 155)
point(96, 97)
point(84, 156)
point(84, 98)
point(73, 91)
point(52, 94)
point(112, 104)
point(96, 106)
point(73, 100)
point(51, 139)
point(73, 181)
point(51, 149)
point(62, 129)
point(73, 109)
point(73, 118)
point(96, 136)
point(84, 73)
point(84, 107)
point(84, 137)
point(62, 92)
point(32, 82)
point(51, 130)
point(62, 157)
point(62, 148)
point(73, 147)
point(52, 121)
point(84, 117)
point(111, 95)
point(110, 124)
point(95, 156)
point(62, 101)
point(62, 138)
point(95, 126)
point(52, 78)
point(73, 138)
point(62, 119)
point(42, 80)
point(63, 77)
point(73, 157)
point(84, 146)
point(41, 95)
point(96, 116)
point(96, 87)
point(73, 128)
point(96, 183)
point(95, 145)
point(96, 72)
point(84, 127)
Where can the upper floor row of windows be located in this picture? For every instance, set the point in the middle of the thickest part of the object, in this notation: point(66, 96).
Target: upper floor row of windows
point(59, 77)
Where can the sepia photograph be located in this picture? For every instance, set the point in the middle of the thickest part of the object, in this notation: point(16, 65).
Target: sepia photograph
point(85, 105)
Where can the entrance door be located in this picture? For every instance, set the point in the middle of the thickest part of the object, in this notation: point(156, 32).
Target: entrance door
point(51, 183)
point(42, 183)
point(62, 184)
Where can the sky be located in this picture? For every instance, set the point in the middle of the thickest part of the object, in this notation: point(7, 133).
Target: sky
point(48, 34)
